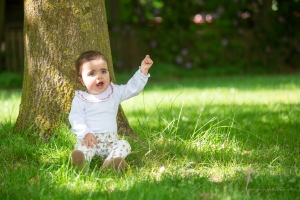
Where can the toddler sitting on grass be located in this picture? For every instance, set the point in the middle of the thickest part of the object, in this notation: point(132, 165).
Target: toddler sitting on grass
point(93, 114)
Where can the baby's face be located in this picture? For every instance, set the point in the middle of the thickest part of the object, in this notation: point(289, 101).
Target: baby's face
point(95, 76)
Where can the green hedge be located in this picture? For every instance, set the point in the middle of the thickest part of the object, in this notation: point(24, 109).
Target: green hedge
point(10, 80)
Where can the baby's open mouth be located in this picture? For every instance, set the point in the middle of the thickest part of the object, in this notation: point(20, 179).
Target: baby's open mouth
point(100, 84)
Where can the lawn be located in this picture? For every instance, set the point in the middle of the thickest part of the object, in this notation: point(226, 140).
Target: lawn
point(208, 138)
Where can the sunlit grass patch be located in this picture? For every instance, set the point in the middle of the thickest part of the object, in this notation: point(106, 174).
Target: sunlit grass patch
point(9, 104)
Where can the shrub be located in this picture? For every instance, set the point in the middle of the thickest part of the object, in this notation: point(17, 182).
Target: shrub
point(10, 80)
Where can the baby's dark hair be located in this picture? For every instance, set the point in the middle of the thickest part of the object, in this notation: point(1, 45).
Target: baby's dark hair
point(86, 57)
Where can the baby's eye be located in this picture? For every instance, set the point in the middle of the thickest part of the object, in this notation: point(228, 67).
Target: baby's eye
point(104, 71)
point(92, 73)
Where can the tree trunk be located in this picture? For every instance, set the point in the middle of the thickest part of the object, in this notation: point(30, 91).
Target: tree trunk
point(55, 33)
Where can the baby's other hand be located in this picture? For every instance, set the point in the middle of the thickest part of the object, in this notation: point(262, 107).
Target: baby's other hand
point(89, 140)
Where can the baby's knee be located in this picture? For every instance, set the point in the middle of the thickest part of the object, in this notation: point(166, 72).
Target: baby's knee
point(124, 145)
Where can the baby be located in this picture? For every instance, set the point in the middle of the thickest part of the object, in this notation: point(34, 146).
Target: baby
point(93, 114)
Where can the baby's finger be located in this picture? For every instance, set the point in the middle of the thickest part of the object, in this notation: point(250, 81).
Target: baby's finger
point(85, 143)
point(95, 141)
point(91, 143)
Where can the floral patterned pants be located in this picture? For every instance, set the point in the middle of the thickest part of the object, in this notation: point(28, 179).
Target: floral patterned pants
point(108, 146)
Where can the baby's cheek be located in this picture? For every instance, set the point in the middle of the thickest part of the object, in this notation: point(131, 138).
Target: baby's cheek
point(89, 84)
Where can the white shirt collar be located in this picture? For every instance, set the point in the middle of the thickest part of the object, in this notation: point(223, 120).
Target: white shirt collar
point(96, 98)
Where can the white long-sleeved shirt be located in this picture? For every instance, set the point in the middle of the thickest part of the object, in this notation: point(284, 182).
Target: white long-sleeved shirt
point(98, 113)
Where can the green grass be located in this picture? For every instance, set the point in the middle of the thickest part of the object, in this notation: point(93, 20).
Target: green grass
point(9, 105)
point(197, 139)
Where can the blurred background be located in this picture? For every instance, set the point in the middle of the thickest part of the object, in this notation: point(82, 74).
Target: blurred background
point(186, 38)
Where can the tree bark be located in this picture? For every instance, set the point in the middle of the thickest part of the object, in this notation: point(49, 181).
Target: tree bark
point(55, 33)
